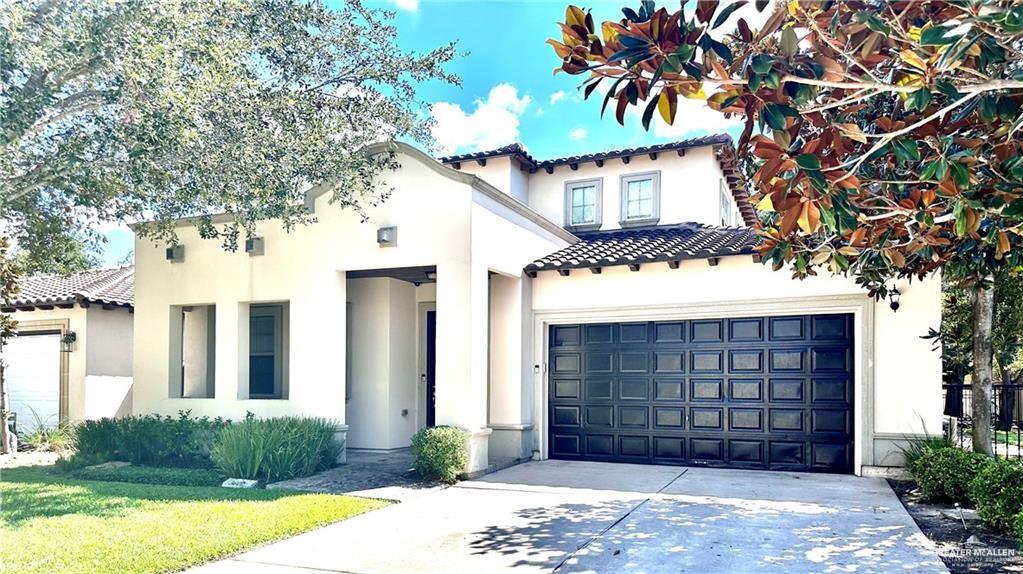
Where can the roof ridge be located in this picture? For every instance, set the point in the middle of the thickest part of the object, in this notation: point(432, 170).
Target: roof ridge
point(91, 270)
point(114, 276)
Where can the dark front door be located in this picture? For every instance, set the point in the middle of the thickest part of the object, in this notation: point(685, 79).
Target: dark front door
point(757, 392)
point(431, 368)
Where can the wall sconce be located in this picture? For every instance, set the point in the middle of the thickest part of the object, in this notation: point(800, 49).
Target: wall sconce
point(175, 253)
point(387, 236)
point(67, 342)
point(893, 298)
point(254, 246)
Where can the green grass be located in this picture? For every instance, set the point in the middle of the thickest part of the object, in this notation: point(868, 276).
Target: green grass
point(54, 524)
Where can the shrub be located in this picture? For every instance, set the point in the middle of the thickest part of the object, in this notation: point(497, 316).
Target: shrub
point(150, 439)
point(997, 490)
point(945, 473)
point(49, 438)
point(440, 453)
point(916, 447)
point(150, 475)
point(275, 449)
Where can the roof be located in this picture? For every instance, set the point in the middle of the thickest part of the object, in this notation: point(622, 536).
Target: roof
point(724, 153)
point(668, 243)
point(110, 286)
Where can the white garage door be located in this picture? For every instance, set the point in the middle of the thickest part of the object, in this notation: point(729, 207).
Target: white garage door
point(33, 379)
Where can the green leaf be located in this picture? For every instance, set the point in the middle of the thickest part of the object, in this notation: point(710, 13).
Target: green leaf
point(935, 36)
point(648, 112)
point(789, 42)
point(762, 63)
point(724, 14)
point(918, 100)
point(774, 116)
point(1014, 209)
point(909, 148)
point(808, 161)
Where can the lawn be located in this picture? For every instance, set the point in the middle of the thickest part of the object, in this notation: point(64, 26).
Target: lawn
point(52, 524)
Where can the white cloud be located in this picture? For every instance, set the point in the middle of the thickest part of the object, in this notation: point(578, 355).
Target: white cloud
point(693, 117)
point(494, 122)
point(410, 5)
point(577, 134)
point(557, 96)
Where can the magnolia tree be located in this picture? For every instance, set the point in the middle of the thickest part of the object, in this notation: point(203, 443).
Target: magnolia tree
point(881, 139)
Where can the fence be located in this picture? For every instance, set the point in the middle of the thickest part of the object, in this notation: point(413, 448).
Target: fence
point(1006, 417)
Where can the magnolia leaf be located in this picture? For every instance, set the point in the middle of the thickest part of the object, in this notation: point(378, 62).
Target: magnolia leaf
point(789, 42)
point(910, 57)
point(808, 161)
point(723, 16)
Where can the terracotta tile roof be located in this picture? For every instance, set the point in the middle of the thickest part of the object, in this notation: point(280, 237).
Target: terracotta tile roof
point(112, 286)
point(649, 245)
point(724, 153)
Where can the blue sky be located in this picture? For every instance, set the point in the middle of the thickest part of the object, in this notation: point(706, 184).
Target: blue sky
point(508, 90)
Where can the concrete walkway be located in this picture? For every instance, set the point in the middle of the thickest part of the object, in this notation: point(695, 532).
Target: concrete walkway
point(594, 517)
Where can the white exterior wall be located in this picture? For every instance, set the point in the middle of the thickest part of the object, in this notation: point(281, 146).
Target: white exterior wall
point(502, 173)
point(898, 386)
point(98, 370)
point(440, 220)
point(690, 187)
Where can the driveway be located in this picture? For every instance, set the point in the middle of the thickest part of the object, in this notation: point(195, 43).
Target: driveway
point(596, 517)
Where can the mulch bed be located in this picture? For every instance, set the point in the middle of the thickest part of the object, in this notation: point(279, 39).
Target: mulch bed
point(970, 549)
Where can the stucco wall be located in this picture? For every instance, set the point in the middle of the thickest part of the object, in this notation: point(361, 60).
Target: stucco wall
point(690, 187)
point(111, 331)
point(904, 371)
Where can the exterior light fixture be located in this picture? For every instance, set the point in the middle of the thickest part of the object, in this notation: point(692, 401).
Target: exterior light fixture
point(67, 342)
point(254, 246)
point(176, 253)
point(894, 298)
point(387, 236)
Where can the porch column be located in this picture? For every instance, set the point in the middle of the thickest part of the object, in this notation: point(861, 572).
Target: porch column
point(509, 377)
point(232, 365)
point(316, 353)
point(462, 329)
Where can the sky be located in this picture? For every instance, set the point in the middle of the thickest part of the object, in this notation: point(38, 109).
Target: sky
point(509, 92)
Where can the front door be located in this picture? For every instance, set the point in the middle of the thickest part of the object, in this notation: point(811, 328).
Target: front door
point(431, 368)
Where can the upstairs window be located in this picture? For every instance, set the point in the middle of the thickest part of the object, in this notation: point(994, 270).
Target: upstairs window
point(726, 205)
point(641, 198)
point(582, 204)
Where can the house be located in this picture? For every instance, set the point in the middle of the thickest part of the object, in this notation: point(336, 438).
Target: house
point(71, 358)
point(601, 307)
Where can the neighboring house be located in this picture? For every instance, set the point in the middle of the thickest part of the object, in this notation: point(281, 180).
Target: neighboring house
point(602, 307)
point(71, 358)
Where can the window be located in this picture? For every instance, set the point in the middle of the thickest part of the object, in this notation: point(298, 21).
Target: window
point(582, 204)
point(641, 198)
point(267, 351)
point(193, 351)
point(726, 205)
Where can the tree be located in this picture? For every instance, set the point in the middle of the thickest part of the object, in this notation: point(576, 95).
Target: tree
point(887, 136)
point(136, 110)
point(9, 272)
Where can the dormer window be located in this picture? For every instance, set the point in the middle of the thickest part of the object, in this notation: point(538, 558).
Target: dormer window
point(641, 198)
point(582, 204)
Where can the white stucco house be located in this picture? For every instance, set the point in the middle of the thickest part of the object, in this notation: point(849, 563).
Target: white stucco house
point(603, 307)
point(71, 358)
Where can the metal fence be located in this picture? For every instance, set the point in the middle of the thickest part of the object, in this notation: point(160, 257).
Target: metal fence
point(1006, 417)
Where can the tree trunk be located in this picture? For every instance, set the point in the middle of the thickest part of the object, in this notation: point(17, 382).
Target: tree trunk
point(980, 403)
point(3, 409)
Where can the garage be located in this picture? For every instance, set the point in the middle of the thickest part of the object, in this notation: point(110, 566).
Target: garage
point(33, 379)
point(750, 392)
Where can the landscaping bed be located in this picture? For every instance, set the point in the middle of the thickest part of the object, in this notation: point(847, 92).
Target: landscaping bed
point(974, 549)
point(51, 523)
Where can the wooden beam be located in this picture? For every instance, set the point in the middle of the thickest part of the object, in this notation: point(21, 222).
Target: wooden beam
point(531, 274)
point(653, 155)
point(574, 166)
point(109, 307)
point(482, 161)
point(456, 164)
point(84, 304)
point(564, 272)
point(674, 264)
point(681, 153)
point(66, 306)
point(757, 258)
point(633, 266)
point(626, 159)
point(549, 169)
point(712, 261)
point(595, 270)
point(45, 307)
point(599, 162)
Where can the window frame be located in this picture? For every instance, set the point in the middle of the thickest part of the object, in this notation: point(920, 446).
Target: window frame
point(623, 198)
point(570, 186)
point(725, 205)
point(279, 313)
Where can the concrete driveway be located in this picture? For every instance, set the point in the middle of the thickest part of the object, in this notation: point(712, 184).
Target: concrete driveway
point(595, 517)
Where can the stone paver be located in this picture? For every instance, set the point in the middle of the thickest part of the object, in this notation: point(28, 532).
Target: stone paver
point(372, 474)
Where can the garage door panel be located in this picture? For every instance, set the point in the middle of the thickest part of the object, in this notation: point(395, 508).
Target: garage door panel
point(33, 379)
point(754, 392)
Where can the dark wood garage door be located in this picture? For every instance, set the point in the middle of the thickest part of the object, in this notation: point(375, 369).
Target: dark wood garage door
point(757, 392)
